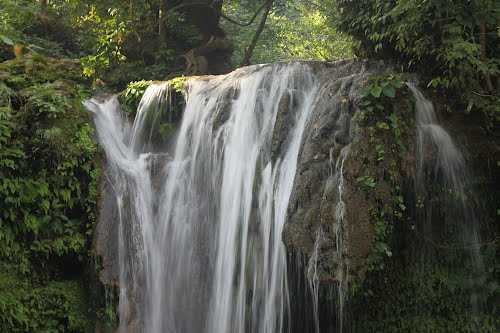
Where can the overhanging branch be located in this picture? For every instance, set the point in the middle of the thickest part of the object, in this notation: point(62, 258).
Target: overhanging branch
point(224, 16)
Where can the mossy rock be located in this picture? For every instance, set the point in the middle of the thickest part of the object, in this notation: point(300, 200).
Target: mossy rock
point(32, 68)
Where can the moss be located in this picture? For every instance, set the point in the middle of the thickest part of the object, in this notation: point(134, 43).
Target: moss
point(410, 297)
point(375, 170)
point(33, 68)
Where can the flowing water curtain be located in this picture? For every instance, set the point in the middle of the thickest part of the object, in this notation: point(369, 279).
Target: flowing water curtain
point(248, 252)
point(129, 174)
point(208, 231)
point(343, 270)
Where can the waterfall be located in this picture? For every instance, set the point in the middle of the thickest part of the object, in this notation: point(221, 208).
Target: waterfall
point(441, 164)
point(130, 167)
point(199, 222)
point(204, 226)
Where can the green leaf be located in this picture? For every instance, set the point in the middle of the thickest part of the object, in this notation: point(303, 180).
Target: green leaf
point(6, 40)
point(389, 91)
point(397, 83)
point(383, 125)
point(376, 91)
point(365, 92)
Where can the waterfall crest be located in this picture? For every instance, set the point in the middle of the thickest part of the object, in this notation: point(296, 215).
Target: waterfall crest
point(207, 225)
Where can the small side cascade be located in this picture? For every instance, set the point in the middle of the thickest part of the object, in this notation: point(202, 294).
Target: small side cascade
point(155, 107)
point(442, 172)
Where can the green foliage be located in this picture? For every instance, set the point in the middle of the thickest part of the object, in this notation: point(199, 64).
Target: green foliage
point(132, 95)
point(48, 32)
point(439, 294)
point(130, 41)
point(178, 83)
point(454, 45)
point(48, 99)
point(294, 30)
point(381, 247)
point(37, 69)
point(367, 182)
point(48, 194)
point(109, 32)
point(15, 18)
point(305, 32)
point(117, 41)
point(408, 297)
point(59, 306)
point(387, 125)
point(380, 88)
point(402, 291)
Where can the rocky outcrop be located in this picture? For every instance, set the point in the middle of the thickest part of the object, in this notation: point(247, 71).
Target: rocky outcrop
point(316, 197)
point(353, 176)
point(332, 139)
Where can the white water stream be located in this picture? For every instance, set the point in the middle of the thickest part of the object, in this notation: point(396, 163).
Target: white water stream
point(207, 228)
point(200, 230)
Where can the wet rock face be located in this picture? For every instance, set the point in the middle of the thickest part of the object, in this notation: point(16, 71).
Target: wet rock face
point(329, 138)
point(314, 204)
point(105, 243)
point(106, 247)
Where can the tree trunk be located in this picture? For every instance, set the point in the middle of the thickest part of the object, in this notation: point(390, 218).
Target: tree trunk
point(258, 32)
point(44, 6)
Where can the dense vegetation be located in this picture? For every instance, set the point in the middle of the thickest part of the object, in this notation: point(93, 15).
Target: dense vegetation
point(419, 280)
point(56, 53)
point(48, 191)
point(453, 45)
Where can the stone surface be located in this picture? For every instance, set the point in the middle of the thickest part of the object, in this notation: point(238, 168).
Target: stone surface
point(315, 195)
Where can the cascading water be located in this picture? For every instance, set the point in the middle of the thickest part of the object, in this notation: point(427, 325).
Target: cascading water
point(339, 217)
point(337, 177)
point(199, 224)
point(313, 278)
point(130, 166)
point(445, 176)
point(203, 235)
